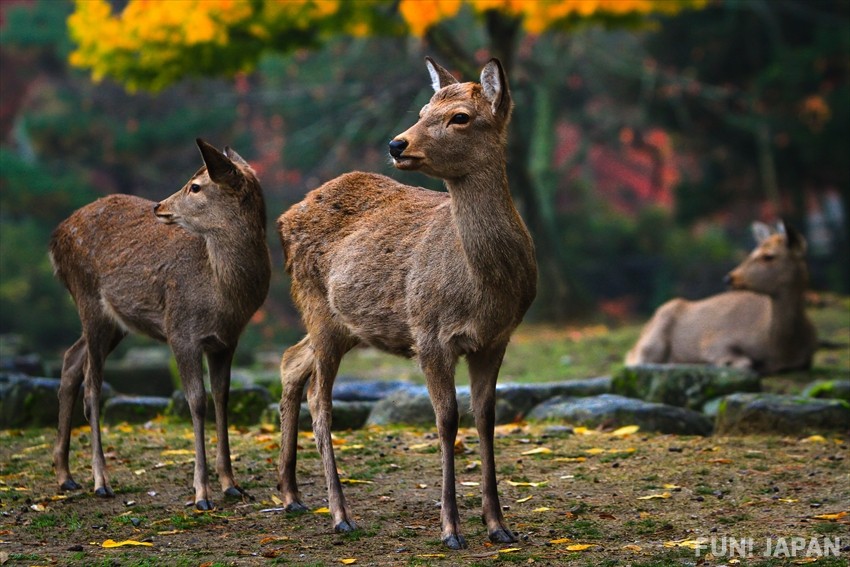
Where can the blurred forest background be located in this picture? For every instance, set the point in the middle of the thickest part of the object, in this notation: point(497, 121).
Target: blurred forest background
point(647, 134)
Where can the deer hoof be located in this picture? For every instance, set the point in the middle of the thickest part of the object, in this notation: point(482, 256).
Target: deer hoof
point(236, 492)
point(104, 492)
point(455, 542)
point(345, 526)
point(502, 536)
point(70, 484)
point(204, 505)
point(295, 507)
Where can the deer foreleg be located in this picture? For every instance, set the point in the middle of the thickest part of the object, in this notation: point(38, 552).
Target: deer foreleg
point(191, 375)
point(69, 388)
point(484, 370)
point(296, 365)
point(439, 374)
point(219, 364)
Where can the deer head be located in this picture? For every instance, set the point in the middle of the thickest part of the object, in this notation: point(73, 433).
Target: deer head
point(777, 263)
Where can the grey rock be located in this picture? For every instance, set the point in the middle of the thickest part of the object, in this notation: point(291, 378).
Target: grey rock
point(144, 371)
point(684, 385)
point(403, 407)
point(523, 397)
point(838, 389)
point(29, 364)
point(134, 409)
point(615, 411)
point(711, 407)
point(781, 415)
point(27, 401)
point(245, 406)
point(351, 389)
point(345, 415)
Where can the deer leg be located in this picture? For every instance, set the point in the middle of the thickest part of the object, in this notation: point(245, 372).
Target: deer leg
point(219, 364)
point(191, 375)
point(484, 370)
point(69, 387)
point(100, 338)
point(296, 365)
point(439, 375)
point(319, 393)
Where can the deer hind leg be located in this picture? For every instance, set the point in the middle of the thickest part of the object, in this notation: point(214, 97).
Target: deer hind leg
point(189, 364)
point(101, 338)
point(73, 368)
point(296, 366)
point(439, 367)
point(484, 370)
point(654, 342)
point(329, 350)
point(219, 365)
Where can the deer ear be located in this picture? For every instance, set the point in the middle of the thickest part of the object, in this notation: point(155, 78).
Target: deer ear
point(761, 231)
point(795, 241)
point(219, 166)
point(234, 157)
point(439, 76)
point(496, 90)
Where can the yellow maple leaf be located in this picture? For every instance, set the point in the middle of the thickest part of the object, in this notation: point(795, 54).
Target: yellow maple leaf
point(322, 510)
point(510, 550)
point(570, 459)
point(277, 500)
point(527, 484)
point(663, 495)
point(814, 439)
point(560, 541)
point(595, 451)
point(355, 481)
point(349, 561)
point(542, 509)
point(831, 517)
point(689, 543)
point(526, 499)
point(169, 452)
point(580, 546)
point(538, 451)
point(626, 430)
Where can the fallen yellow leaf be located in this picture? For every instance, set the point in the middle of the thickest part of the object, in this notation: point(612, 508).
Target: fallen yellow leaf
point(527, 484)
point(470, 483)
point(632, 547)
point(664, 495)
point(672, 486)
point(419, 446)
point(350, 561)
point(526, 499)
point(113, 543)
point(169, 532)
point(431, 555)
point(351, 447)
point(560, 541)
point(542, 509)
point(570, 459)
point(595, 451)
point(830, 517)
point(580, 546)
point(322, 510)
point(787, 500)
point(689, 543)
point(277, 500)
point(538, 451)
point(805, 560)
point(38, 507)
point(270, 539)
point(626, 430)
point(814, 439)
point(139, 472)
point(125, 428)
point(510, 550)
point(355, 481)
point(169, 452)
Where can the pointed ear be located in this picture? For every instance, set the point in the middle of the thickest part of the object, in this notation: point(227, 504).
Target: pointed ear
point(496, 90)
point(234, 157)
point(439, 76)
point(761, 231)
point(219, 166)
point(795, 241)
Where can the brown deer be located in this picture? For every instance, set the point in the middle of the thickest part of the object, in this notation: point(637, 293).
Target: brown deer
point(190, 270)
point(760, 324)
point(417, 273)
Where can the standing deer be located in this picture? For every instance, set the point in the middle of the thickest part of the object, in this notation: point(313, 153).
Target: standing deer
point(760, 324)
point(190, 270)
point(417, 273)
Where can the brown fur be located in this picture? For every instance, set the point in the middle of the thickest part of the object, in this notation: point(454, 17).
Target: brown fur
point(761, 324)
point(190, 270)
point(416, 273)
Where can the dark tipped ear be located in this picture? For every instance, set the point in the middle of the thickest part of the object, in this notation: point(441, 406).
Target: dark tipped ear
point(439, 76)
point(219, 166)
point(795, 241)
point(234, 157)
point(496, 90)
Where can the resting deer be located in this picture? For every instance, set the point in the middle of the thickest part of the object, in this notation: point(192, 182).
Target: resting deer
point(416, 273)
point(190, 270)
point(760, 324)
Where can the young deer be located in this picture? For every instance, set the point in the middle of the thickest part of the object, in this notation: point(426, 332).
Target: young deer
point(190, 270)
point(415, 273)
point(761, 324)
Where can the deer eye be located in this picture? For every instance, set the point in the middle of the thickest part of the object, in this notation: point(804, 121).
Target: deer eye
point(768, 257)
point(194, 188)
point(459, 118)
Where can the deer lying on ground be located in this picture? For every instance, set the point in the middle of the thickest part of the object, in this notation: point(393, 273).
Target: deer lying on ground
point(760, 324)
point(190, 270)
point(415, 273)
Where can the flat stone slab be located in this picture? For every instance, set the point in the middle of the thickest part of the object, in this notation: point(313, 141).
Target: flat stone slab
point(245, 406)
point(416, 409)
point(616, 411)
point(684, 385)
point(134, 409)
point(26, 401)
point(344, 416)
point(741, 414)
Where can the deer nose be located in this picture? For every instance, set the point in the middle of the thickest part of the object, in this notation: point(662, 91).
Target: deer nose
point(156, 207)
point(397, 147)
point(727, 279)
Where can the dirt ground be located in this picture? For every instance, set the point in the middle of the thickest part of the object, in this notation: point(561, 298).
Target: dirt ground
point(583, 498)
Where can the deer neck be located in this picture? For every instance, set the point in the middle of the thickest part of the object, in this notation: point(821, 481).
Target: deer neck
point(495, 242)
point(788, 318)
point(237, 256)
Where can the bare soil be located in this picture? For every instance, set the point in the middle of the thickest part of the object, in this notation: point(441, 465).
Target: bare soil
point(585, 498)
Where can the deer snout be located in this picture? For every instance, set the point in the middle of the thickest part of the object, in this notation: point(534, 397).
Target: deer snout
point(397, 147)
point(729, 280)
point(161, 215)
